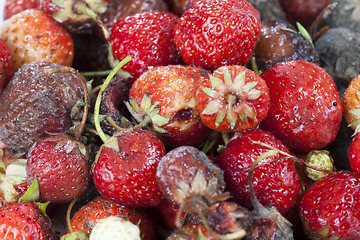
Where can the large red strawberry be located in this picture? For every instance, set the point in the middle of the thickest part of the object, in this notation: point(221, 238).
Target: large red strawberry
point(148, 38)
point(166, 95)
point(275, 183)
point(330, 208)
point(32, 35)
point(218, 32)
point(233, 98)
point(25, 221)
point(354, 153)
point(101, 207)
point(6, 65)
point(125, 167)
point(306, 109)
point(62, 167)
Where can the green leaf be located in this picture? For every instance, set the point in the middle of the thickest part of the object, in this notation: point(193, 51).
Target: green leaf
point(32, 194)
point(304, 33)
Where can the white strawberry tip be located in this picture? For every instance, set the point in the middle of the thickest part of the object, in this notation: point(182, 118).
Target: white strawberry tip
point(115, 228)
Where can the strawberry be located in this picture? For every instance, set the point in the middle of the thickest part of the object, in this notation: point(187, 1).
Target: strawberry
point(218, 32)
point(329, 209)
point(233, 98)
point(120, 9)
point(275, 183)
point(6, 65)
point(29, 41)
point(306, 109)
point(149, 38)
point(125, 167)
point(100, 208)
point(166, 95)
point(42, 97)
point(121, 229)
point(25, 221)
point(62, 167)
point(320, 159)
point(13, 7)
point(351, 103)
point(354, 150)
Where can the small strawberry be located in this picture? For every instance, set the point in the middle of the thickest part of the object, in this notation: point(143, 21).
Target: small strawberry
point(148, 38)
point(125, 167)
point(275, 183)
point(351, 103)
point(120, 229)
point(6, 65)
point(25, 221)
point(320, 159)
point(62, 167)
point(329, 209)
point(233, 98)
point(29, 41)
point(166, 95)
point(306, 109)
point(217, 33)
point(100, 208)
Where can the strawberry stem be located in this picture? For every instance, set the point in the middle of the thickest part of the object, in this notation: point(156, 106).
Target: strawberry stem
point(101, 133)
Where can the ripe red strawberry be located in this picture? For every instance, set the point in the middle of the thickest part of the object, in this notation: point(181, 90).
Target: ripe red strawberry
point(275, 184)
point(100, 208)
point(13, 7)
point(354, 153)
point(351, 103)
point(329, 209)
point(30, 41)
point(148, 38)
point(217, 33)
point(25, 221)
point(166, 95)
point(306, 109)
point(234, 98)
point(62, 167)
point(125, 167)
point(6, 65)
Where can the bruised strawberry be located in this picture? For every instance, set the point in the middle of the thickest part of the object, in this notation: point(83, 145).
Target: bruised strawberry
point(37, 102)
point(217, 33)
point(166, 95)
point(306, 109)
point(29, 41)
point(275, 183)
point(121, 9)
point(100, 208)
point(125, 167)
point(329, 209)
point(6, 65)
point(233, 98)
point(62, 167)
point(25, 221)
point(148, 38)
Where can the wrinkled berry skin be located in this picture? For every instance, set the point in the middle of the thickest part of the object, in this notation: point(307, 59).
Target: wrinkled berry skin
point(35, 103)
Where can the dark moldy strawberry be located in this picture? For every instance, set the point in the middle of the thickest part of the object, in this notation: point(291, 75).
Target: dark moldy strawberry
point(269, 9)
point(339, 51)
point(37, 102)
point(279, 41)
point(119, 9)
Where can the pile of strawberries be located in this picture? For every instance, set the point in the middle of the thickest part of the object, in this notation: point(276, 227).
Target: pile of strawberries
point(162, 119)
